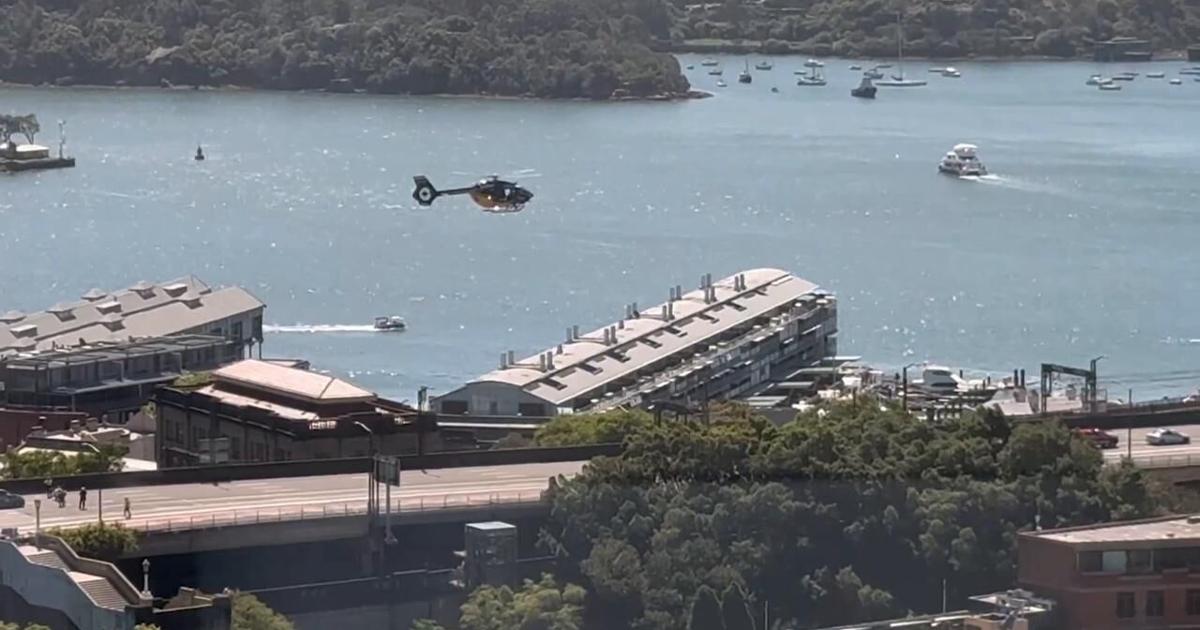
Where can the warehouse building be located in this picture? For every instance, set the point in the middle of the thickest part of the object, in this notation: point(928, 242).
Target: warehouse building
point(724, 340)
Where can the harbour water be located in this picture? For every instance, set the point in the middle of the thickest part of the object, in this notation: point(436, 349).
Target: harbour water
point(1083, 243)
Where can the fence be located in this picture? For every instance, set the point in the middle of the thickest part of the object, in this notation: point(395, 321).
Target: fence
point(1184, 460)
point(281, 514)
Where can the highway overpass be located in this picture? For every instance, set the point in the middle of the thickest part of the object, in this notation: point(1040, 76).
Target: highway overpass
point(197, 517)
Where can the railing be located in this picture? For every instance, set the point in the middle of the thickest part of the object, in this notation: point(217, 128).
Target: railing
point(281, 514)
point(1164, 461)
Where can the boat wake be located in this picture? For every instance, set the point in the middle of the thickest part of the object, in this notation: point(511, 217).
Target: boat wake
point(319, 328)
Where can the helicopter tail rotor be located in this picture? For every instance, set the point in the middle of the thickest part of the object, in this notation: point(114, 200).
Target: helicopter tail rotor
point(424, 193)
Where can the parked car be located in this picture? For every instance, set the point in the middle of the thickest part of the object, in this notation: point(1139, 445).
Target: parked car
point(1164, 437)
point(10, 501)
point(1097, 437)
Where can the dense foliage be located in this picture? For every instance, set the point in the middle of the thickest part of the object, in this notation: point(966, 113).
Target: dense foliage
point(12, 626)
point(940, 29)
point(853, 512)
point(26, 125)
point(542, 605)
point(51, 464)
point(545, 48)
point(249, 613)
point(102, 541)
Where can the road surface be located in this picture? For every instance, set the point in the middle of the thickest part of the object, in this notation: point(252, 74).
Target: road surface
point(183, 506)
point(1144, 453)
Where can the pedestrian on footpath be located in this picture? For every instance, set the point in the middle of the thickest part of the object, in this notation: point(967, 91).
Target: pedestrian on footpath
point(128, 509)
point(82, 498)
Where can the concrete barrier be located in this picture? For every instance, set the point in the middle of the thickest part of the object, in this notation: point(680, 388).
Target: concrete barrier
point(315, 467)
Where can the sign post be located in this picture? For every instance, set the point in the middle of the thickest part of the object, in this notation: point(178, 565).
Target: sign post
point(387, 469)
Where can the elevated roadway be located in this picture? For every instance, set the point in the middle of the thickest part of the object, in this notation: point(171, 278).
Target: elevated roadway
point(296, 509)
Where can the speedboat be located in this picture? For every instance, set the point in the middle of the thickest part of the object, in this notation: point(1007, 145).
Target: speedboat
point(721, 83)
point(1156, 75)
point(709, 62)
point(1113, 87)
point(390, 323)
point(1176, 81)
point(764, 65)
point(865, 89)
point(951, 72)
point(961, 161)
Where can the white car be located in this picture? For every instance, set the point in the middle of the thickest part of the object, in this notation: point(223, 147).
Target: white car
point(1163, 437)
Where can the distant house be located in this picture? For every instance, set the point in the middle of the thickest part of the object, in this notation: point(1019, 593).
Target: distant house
point(258, 411)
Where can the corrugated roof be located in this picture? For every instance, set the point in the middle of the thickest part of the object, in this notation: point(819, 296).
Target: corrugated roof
point(1179, 528)
point(291, 382)
point(152, 312)
point(589, 362)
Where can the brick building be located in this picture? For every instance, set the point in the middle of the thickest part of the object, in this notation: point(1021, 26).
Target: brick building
point(1134, 574)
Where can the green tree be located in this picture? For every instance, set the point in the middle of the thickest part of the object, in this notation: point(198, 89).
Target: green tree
point(538, 605)
point(5, 625)
point(251, 614)
point(146, 626)
point(50, 464)
point(426, 624)
point(598, 428)
point(734, 609)
point(103, 541)
point(706, 611)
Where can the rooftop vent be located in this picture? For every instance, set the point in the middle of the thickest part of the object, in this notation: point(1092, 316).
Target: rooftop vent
point(142, 286)
point(94, 294)
point(111, 306)
point(11, 317)
point(63, 311)
point(175, 289)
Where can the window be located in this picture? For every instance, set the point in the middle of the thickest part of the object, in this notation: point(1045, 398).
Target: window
point(493, 408)
point(1193, 602)
point(535, 410)
point(1140, 561)
point(455, 407)
point(235, 448)
point(237, 330)
point(1113, 562)
point(1125, 606)
point(257, 327)
point(1155, 603)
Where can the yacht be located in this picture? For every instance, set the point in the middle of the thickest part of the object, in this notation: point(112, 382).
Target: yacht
point(764, 65)
point(709, 62)
point(898, 80)
point(390, 323)
point(951, 72)
point(865, 89)
point(961, 161)
point(812, 79)
point(744, 75)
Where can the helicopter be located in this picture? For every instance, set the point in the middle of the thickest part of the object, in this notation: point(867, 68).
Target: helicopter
point(490, 193)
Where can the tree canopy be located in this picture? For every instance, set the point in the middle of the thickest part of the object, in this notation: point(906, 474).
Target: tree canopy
point(542, 48)
point(857, 511)
point(249, 613)
point(51, 464)
point(540, 605)
point(103, 541)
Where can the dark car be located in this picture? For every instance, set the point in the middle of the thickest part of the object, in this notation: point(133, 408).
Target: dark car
point(10, 501)
point(1098, 438)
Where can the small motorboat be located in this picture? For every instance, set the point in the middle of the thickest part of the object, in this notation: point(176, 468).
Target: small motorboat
point(1176, 81)
point(884, 66)
point(962, 162)
point(721, 83)
point(812, 79)
point(199, 154)
point(716, 72)
point(936, 70)
point(1096, 79)
point(855, 67)
point(390, 323)
point(1156, 75)
point(866, 89)
point(813, 63)
point(1124, 76)
point(1109, 87)
point(951, 72)
point(1195, 70)
point(709, 62)
point(691, 67)
point(764, 65)
point(775, 90)
point(873, 74)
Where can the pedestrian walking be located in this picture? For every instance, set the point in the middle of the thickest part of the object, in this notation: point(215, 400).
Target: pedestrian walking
point(60, 497)
point(82, 498)
point(128, 509)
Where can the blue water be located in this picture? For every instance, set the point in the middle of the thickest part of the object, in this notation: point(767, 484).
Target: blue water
point(1083, 244)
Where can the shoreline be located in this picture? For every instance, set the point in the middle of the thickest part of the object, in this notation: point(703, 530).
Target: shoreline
point(691, 94)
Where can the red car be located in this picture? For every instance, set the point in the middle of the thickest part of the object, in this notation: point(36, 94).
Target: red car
point(1097, 437)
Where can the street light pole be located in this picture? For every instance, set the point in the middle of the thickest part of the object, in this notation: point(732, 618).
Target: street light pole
point(146, 578)
point(1092, 392)
point(37, 527)
point(904, 385)
point(370, 471)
